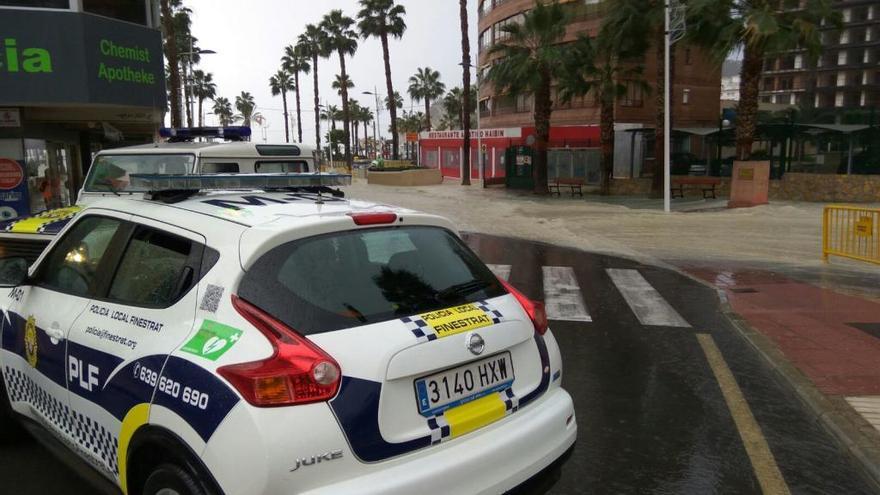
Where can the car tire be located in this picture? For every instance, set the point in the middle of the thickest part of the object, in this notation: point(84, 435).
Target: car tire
point(169, 479)
point(11, 430)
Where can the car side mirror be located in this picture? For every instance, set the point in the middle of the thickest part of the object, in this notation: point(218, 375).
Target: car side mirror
point(13, 271)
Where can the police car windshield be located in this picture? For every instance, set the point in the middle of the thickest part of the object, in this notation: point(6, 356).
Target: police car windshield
point(110, 173)
point(360, 277)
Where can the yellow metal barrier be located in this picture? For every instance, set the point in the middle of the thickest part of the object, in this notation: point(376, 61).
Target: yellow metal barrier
point(851, 232)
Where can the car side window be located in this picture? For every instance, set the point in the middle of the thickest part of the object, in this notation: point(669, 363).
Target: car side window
point(154, 270)
point(282, 167)
point(72, 266)
point(220, 168)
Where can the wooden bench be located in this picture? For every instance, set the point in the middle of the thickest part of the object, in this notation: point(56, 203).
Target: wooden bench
point(707, 184)
point(573, 183)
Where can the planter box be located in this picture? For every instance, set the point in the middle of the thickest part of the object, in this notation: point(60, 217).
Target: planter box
point(418, 177)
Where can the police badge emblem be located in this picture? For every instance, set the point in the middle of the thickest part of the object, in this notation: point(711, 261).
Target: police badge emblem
point(30, 341)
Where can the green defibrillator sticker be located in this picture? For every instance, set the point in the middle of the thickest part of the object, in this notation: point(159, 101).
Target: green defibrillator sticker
point(212, 340)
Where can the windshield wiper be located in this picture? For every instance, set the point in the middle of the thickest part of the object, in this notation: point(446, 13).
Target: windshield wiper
point(462, 289)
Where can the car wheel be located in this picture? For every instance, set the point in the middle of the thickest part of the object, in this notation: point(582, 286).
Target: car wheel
point(169, 479)
point(11, 429)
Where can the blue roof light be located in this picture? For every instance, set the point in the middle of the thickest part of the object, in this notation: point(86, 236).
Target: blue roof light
point(230, 133)
point(233, 182)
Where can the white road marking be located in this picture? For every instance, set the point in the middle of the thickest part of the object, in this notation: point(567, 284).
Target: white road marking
point(562, 295)
point(868, 407)
point(500, 271)
point(647, 304)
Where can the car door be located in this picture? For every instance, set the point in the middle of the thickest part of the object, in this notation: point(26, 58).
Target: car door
point(118, 347)
point(41, 312)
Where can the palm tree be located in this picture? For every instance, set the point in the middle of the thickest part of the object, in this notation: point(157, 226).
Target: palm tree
point(453, 107)
point(341, 85)
point(355, 108)
point(759, 27)
point(529, 58)
point(223, 110)
point(186, 44)
point(398, 102)
point(312, 43)
point(466, 99)
point(597, 66)
point(366, 117)
point(170, 49)
point(342, 39)
point(280, 84)
point(381, 19)
point(204, 88)
point(425, 85)
point(245, 105)
point(295, 62)
point(331, 114)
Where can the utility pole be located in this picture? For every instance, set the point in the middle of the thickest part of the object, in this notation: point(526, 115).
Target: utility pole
point(674, 24)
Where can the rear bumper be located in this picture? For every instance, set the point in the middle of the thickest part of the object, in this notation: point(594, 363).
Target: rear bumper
point(492, 460)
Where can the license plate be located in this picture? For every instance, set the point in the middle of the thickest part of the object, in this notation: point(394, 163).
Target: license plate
point(453, 387)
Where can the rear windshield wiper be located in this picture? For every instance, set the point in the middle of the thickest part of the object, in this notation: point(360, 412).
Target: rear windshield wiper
point(462, 289)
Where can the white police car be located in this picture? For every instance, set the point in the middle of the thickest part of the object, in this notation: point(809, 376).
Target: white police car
point(109, 174)
point(279, 341)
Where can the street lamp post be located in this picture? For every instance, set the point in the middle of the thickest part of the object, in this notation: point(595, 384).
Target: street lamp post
point(376, 132)
point(188, 78)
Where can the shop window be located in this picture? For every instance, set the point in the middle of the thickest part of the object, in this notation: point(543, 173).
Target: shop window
point(634, 96)
point(125, 10)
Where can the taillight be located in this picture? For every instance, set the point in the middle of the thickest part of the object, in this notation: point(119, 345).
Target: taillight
point(373, 218)
point(534, 309)
point(298, 372)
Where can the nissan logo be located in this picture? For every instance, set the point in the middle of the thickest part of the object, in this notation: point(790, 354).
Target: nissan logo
point(476, 344)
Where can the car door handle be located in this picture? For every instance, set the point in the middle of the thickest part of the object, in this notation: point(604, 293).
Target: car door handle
point(55, 332)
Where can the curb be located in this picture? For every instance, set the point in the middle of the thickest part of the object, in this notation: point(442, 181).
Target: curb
point(852, 433)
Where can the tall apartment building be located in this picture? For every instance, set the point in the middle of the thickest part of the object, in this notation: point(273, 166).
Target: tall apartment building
point(695, 97)
point(845, 76)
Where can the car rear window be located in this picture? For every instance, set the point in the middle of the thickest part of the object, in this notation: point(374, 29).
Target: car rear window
point(354, 278)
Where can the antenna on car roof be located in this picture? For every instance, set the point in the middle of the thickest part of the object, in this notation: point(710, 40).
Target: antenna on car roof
point(320, 200)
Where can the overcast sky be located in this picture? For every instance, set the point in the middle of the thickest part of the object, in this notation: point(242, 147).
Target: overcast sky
point(249, 38)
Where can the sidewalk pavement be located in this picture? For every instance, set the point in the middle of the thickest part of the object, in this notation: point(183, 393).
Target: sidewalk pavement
point(817, 323)
point(831, 339)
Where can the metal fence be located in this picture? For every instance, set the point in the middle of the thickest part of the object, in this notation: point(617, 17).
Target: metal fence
point(851, 232)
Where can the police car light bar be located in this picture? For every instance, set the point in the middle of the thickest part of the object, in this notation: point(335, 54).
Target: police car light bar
point(230, 133)
point(232, 182)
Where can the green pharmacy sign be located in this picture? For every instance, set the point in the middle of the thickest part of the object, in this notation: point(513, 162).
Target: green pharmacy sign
point(73, 58)
point(30, 60)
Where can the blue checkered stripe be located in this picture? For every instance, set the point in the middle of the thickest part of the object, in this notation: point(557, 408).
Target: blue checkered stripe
point(425, 332)
point(511, 401)
point(419, 328)
point(490, 310)
point(441, 431)
point(87, 433)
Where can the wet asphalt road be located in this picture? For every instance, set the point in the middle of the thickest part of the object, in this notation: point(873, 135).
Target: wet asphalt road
point(651, 416)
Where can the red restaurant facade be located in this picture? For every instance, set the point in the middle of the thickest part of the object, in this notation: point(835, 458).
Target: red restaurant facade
point(444, 149)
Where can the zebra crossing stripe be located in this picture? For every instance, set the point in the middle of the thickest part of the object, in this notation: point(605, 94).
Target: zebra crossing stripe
point(868, 407)
point(644, 301)
point(500, 271)
point(562, 295)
